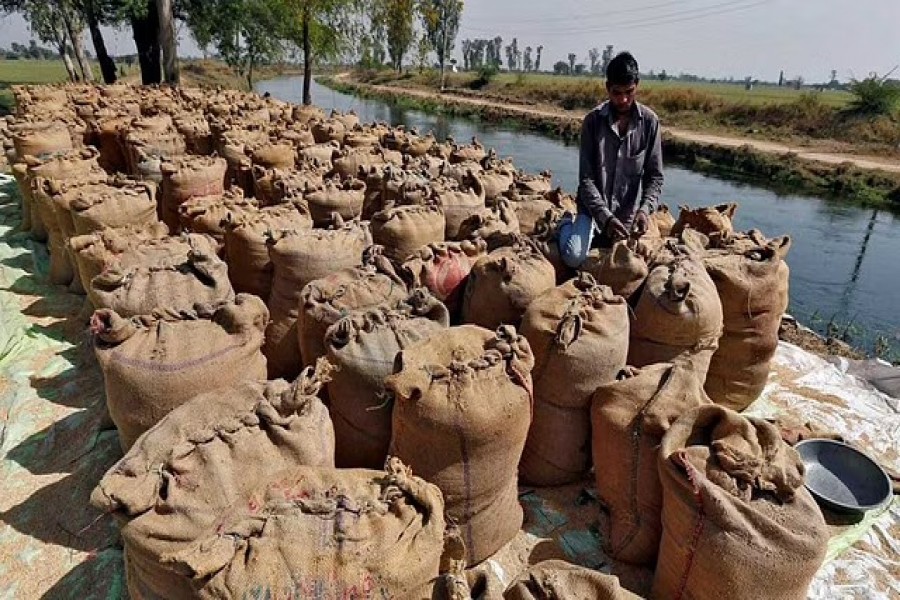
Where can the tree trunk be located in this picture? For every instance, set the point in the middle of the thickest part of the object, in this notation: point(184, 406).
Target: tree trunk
point(146, 38)
point(74, 34)
point(307, 62)
point(107, 65)
point(168, 41)
point(67, 61)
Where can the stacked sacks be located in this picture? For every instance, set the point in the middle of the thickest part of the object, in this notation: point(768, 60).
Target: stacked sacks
point(362, 346)
point(462, 408)
point(324, 301)
point(213, 214)
point(623, 267)
point(185, 272)
point(246, 245)
point(197, 350)
point(234, 493)
point(299, 257)
point(402, 230)
point(460, 204)
point(628, 420)
point(661, 222)
point(185, 178)
point(753, 287)
point(579, 335)
point(677, 316)
point(737, 521)
point(344, 198)
point(558, 579)
point(99, 250)
point(444, 269)
point(114, 204)
point(504, 283)
point(495, 225)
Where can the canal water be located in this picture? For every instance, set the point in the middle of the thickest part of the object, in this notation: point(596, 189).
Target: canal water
point(845, 260)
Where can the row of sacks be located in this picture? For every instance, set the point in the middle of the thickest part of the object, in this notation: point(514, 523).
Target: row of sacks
point(236, 490)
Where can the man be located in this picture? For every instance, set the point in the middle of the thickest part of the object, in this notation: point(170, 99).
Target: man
point(620, 173)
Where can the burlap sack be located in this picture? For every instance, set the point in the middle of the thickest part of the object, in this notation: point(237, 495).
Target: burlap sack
point(462, 408)
point(579, 335)
point(233, 145)
point(351, 161)
point(345, 199)
point(273, 155)
point(737, 521)
point(299, 257)
point(213, 214)
point(560, 580)
point(622, 267)
point(444, 269)
point(363, 346)
point(324, 301)
point(492, 224)
point(40, 139)
point(329, 130)
point(19, 171)
point(706, 220)
point(112, 205)
point(155, 363)
point(753, 288)
point(110, 143)
point(628, 420)
point(176, 282)
point(530, 210)
point(546, 239)
point(460, 204)
point(97, 251)
point(678, 316)
point(403, 230)
point(273, 186)
point(504, 283)
point(534, 183)
point(246, 247)
point(320, 153)
point(146, 151)
point(462, 153)
point(256, 505)
point(661, 222)
point(189, 177)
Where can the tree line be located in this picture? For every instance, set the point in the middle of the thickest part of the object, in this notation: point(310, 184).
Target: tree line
point(246, 33)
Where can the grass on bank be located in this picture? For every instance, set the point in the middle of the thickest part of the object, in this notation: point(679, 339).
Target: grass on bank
point(829, 119)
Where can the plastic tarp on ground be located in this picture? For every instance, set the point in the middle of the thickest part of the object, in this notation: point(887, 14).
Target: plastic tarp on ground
point(56, 442)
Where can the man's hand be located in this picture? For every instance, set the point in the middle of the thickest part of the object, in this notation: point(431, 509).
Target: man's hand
point(615, 230)
point(641, 223)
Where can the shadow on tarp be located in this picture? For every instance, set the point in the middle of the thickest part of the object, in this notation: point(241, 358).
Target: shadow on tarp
point(61, 513)
point(81, 384)
point(101, 577)
point(60, 447)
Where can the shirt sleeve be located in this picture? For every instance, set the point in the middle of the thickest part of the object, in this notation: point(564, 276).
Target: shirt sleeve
point(652, 180)
point(589, 197)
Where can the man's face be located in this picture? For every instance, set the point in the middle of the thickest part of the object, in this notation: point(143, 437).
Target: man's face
point(621, 96)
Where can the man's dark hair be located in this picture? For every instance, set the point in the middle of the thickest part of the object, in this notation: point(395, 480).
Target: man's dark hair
point(622, 70)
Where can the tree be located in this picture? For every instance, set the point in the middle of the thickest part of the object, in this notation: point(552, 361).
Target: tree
point(466, 46)
point(594, 58)
point(537, 61)
point(45, 21)
point(423, 49)
point(97, 13)
point(561, 67)
point(397, 17)
point(608, 54)
point(440, 19)
point(168, 41)
point(527, 64)
point(494, 58)
point(572, 59)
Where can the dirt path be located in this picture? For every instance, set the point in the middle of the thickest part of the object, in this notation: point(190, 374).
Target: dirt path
point(863, 162)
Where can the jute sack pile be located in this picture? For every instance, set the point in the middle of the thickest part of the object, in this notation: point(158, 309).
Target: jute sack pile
point(462, 408)
point(175, 281)
point(678, 316)
point(578, 333)
point(661, 222)
point(444, 269)
point(299, 257)
point(504, 283)
point(324, 301)
point(494, 225)
point(560, 580)
point(622, 267)
point(234, 492)
point(753, 287)
point(344, 198)
point(706, 220)
point(737, 520)
point(154, 363)
point(459, 205)
point(185, 178)
point(96, 251)
point(402, 230)
point(628, 420)
point(363, 346)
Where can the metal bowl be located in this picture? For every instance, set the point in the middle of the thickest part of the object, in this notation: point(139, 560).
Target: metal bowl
point(842, 478)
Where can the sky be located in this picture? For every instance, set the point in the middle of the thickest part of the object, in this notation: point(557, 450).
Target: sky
point(712, 38)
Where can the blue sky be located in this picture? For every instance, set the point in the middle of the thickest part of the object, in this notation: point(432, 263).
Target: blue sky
point(706, 37)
